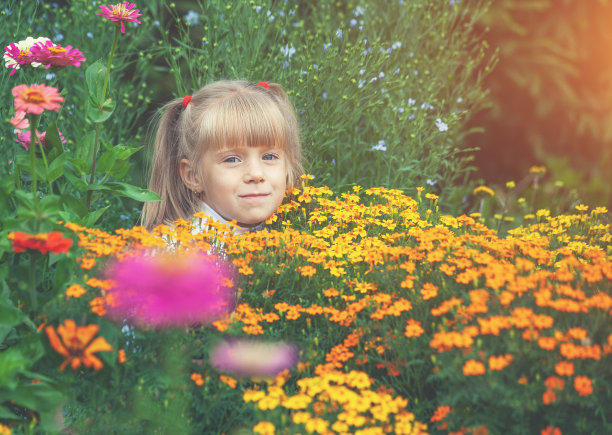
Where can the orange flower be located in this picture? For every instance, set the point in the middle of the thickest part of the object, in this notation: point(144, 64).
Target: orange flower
point(75, 291)
point(564, 368)
point(554, 383)
point(307, 270)
point(440, 413)
point(121, 356)
point(76, 345)
point(429, 291)
point(500, 362)
point(548, 397)
point(228, 380)
point(549, 430)
point(197, 378)
point(583, 385)
point(413, 328)
point(44, 242)
point(473, 368)
point(548, 343)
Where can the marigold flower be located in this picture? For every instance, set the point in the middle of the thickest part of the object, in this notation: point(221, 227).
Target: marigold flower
point(228, 380)
point(169, 290)
point(554, 383)
point(120, 13)
point(583, 385)
point(76, 344)
point(121, 356)
point(484, 191)
point(429, 291)
point(50, 54)
point(549, 430)
point(197, 379)
point(473, 368)
point(440, 413)
point(413, 328)
point(548, 397)
point(5, 430)
point(36, 99)
point(499, 362)
point(254, 358)
point(264, 428)
point(75, 291)
point(564, 368)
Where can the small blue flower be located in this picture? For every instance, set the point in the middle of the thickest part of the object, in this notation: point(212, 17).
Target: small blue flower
point(90, 35)
point(339, 33)
point(50, 76)
point(258, 9)
point(324, 95)
point(380, 146)
point(381, 75)
point(411, 101)
point(286, 64)
point(442, 126)
point(353, 22)
point(192, 18)
point(7, 11)
point(288, 51)
point(156, 23)
point(431, 182)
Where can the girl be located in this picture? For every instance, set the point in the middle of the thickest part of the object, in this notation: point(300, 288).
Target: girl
point(231, 150)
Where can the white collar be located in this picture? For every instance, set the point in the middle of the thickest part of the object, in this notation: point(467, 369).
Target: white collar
point(208, 210)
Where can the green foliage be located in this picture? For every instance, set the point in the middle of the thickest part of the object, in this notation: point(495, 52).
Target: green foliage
point(550, 93)
point(376, 85)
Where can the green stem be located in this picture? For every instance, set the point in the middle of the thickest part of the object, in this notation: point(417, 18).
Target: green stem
point(101, 102)
point(33, 125)
point(33, 293)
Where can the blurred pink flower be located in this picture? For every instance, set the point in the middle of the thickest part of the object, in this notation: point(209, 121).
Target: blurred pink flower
point(19, 121)
point(37, 98)
point(23, 138)
point(121, 12)
point(51, 54)
point(253, 358)
point(162, 290)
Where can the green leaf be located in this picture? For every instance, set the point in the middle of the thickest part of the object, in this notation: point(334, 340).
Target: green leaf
point(42, 398)
point(53, 143)
point(56, 168)
point(94, 76)
point(24, 163)
point(74, 205)
point(100, 113)
point(92, 218)
point(85, 149)
point(128, 190)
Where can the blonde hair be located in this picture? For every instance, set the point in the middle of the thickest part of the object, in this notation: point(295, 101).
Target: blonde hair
point(221, 114)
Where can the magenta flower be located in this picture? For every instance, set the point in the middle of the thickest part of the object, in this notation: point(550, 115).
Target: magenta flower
point(18, 54)
point(36, 98)
point(162, 290)
point(50, 54)
point(24, 138)
point(121, 13)
point(253, 358)
point(19, 121)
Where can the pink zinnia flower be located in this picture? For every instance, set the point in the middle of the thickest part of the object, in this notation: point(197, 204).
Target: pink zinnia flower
point(120, 12)
point(51, 54)
point(253, 358)
point(37, 98)
point(170, 290)
point(24, 138)
point(19, 121)
point(18, 54)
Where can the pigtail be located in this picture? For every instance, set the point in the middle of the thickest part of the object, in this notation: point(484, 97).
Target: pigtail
point(176, 198)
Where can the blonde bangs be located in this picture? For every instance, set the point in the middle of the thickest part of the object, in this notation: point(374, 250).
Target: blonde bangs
point(243, 119)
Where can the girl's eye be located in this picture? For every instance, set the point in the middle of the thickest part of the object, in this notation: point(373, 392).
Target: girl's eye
point(232, 159)
point(270, 156)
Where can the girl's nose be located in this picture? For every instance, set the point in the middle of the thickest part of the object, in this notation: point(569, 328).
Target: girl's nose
point(254, 172)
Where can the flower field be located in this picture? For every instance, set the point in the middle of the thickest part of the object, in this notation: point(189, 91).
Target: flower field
point(407, 321)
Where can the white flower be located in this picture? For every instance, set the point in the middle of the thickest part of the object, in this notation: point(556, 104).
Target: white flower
point(411, 101)
point(288, 51)
point(380, 146)
point(442, 126)
point(359, 10)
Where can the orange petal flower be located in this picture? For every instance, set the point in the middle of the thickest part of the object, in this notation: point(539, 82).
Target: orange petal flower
point(473, 368)
point(583, 385)
point(76, 344)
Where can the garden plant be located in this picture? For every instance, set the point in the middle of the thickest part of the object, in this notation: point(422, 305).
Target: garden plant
point(387, 294)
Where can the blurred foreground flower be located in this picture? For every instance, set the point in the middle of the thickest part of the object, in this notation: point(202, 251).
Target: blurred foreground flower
point(19, 121)
point(44, 242)
point(75, 344)
point(170, 290)
point(24, 138)
point(36, 98)
point(254, 358)
point(121, 12)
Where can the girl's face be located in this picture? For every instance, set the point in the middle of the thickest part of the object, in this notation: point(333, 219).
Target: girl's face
point(245, 184)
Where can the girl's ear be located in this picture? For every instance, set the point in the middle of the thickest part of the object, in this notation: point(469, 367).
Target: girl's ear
point(189, 176)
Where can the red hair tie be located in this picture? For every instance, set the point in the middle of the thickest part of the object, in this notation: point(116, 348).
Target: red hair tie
point(263, 85)
point(186, 100)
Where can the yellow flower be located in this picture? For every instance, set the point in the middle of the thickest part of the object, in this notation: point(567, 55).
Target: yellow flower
point(537, 170)
point(510, 185)
point(264, 428)
point(484, 191)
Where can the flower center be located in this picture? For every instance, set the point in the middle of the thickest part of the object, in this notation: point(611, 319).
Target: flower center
point(74, 345)
point(34, 96)
point(56, 50)
point(119, 11)
point(23, 54)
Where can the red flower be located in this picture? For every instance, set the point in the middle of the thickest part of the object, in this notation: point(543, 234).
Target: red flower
point(121, 13)
point(44, 242)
